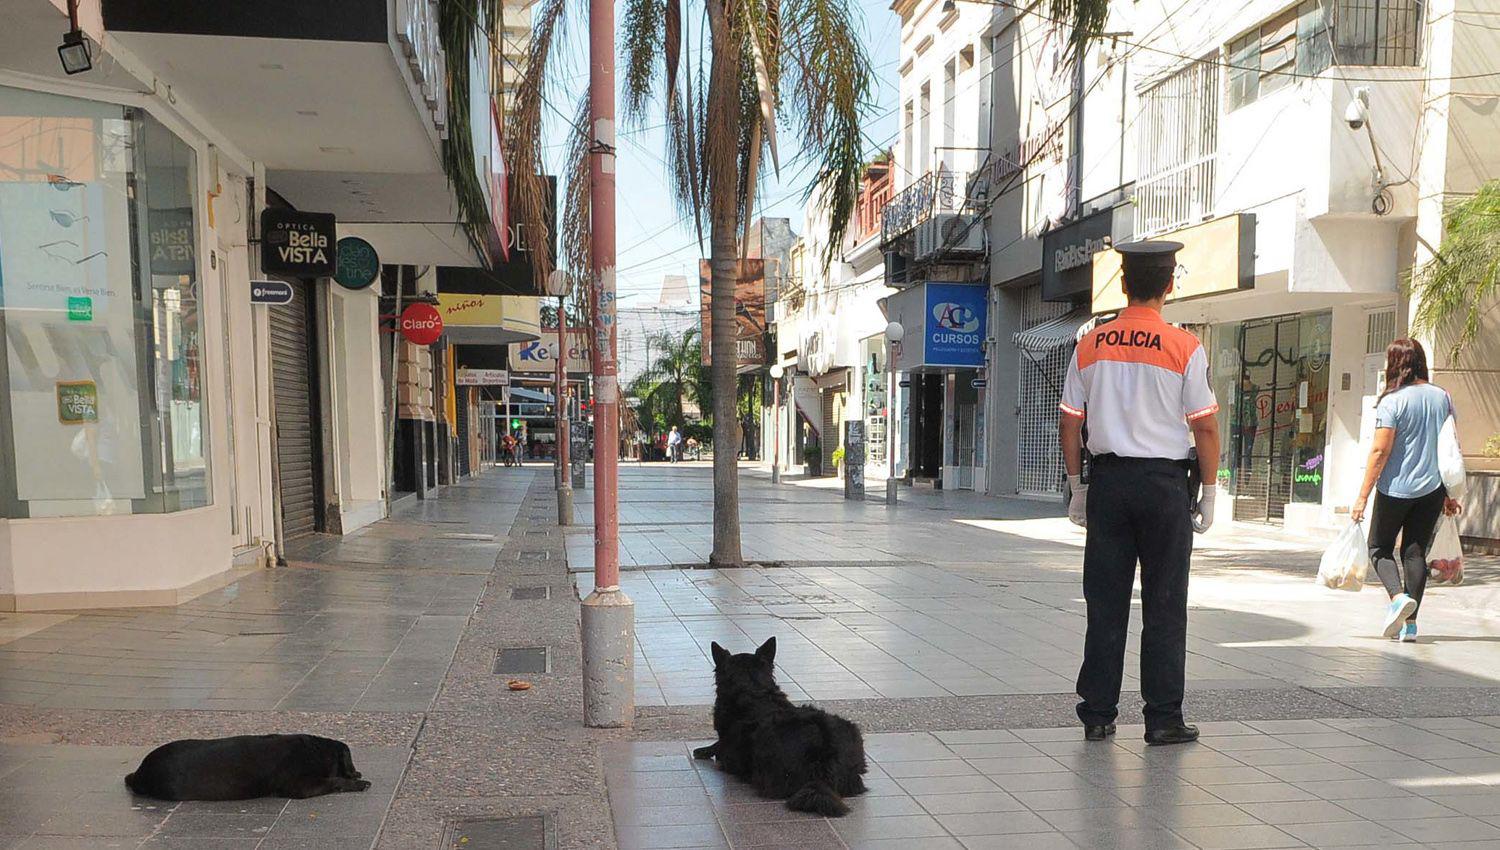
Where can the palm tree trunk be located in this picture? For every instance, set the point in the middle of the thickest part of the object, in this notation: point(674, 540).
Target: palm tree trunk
point(723, 196)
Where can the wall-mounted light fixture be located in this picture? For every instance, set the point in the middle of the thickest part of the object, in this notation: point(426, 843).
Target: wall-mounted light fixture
point(74, 50)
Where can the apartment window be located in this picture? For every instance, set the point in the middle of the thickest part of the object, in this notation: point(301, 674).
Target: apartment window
point(1178, 153)
point(950, 112)
point(908, 141)
point(1377, 32)
point(924, 127)
point(1308, 38)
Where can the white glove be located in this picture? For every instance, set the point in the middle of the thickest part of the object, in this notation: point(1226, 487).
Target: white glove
point(1203, 512)
point(1077, 512)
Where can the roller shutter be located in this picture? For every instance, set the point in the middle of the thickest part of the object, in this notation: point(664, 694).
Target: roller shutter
point(292, 377)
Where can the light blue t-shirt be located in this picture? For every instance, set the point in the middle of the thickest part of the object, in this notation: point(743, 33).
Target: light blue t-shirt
point(1417, 412)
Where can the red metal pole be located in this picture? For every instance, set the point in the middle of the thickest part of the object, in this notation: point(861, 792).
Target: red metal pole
point(608, 616)
point(602, 257)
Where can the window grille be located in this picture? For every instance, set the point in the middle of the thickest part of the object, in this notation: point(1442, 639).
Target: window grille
point(1039, 459)
point(1380, 330)
point(1180, 118)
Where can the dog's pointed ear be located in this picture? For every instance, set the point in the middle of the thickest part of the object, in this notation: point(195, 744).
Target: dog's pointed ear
point(720, 654)
point(766, 653)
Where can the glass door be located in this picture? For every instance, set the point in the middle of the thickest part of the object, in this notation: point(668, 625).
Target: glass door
point(1281, 415)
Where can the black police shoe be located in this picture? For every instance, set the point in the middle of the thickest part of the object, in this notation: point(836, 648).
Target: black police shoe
point(1173, 735)
point(1098, 733)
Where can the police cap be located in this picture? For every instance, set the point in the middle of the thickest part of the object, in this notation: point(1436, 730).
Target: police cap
point(1155, 254)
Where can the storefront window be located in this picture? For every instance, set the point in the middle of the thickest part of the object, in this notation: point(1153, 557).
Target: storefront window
point(101, 383)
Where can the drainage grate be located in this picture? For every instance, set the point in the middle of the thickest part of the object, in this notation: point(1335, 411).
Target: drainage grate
point(523, 659)
point(459, 535)
point(523, 833)
point(543, 592)
point(534, 556)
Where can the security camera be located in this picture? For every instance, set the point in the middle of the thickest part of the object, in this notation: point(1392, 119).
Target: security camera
point(1358, 110)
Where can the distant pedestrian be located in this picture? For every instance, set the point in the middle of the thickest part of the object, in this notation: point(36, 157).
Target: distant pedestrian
point(1142, 385)
point(693, 448)
point(674, 445)
point(1409, 492)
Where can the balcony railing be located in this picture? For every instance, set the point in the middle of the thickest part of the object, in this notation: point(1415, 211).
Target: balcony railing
point(935, 192)
point(1176, 197)
point(421, 43)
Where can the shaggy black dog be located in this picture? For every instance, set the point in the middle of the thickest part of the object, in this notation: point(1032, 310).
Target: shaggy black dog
point(247, 766)
point(803, 754)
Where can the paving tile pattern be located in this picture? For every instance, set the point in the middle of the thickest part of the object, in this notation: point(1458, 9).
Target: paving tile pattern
point(1261, 784)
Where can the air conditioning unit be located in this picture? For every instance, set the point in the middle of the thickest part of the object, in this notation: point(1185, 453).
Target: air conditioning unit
point(949, 236)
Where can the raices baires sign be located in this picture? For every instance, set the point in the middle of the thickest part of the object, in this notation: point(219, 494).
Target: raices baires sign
point(297, 244)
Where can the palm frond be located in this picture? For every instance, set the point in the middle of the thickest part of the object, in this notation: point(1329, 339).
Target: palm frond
point(577, 224)
point(531, 187)
point(1458, 286)
point(641, 32)
point(826, 86)
point(1087, 16)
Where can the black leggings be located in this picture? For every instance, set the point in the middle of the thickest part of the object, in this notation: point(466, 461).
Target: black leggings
point(1415, 519)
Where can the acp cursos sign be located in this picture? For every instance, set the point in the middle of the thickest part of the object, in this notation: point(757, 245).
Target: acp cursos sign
point(955, 324)
point(297, 244)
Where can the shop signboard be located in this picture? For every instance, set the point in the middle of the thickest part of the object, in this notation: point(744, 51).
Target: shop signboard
point(1068, 251)
point(421, 324)
point(270, 292)
point(357, 265)
point(1217, 256)
point(955, 321)
point(466, 377)
point(540, 355)
point(77, 402)
point(296, 243)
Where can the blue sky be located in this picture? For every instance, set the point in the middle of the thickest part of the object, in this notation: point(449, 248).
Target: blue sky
point(651, 241)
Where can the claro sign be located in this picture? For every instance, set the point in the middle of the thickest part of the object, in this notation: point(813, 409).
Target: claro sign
point(421, 324)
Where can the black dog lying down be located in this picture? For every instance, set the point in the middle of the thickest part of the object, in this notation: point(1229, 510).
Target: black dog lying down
point(803, 754)
point(247, 766)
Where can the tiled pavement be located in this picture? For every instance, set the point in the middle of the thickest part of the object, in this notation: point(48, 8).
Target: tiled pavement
point(934, 617)
point(1267, 784)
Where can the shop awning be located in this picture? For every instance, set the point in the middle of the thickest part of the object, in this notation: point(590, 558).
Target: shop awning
point(1053, 333)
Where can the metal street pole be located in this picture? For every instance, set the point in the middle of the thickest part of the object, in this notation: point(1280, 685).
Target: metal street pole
point(893, 334)
point(608, 614)
point(777, 371)
point(564, 475)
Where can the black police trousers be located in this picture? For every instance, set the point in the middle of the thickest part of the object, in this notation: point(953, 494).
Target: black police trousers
point(1137, 510)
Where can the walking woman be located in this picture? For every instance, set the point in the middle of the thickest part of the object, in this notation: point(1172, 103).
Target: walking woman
point(1409, 492)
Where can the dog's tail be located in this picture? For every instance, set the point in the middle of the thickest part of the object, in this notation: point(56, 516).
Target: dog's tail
point(819, 798)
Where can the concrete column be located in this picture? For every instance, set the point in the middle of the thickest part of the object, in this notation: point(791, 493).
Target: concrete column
point(608, 659)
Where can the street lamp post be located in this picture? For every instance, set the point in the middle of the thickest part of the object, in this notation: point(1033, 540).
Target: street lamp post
point(557, 286)
point(893, 334)
point(776, 372)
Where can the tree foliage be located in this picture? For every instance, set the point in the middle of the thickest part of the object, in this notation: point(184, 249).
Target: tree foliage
point(1458, 285)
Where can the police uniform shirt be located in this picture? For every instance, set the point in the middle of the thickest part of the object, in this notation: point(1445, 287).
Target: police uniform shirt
point(1140, 381)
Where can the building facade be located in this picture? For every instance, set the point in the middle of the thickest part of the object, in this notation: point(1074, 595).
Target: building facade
point(168, 419)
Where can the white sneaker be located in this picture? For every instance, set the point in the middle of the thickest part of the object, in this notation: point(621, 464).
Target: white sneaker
point(1401, 607)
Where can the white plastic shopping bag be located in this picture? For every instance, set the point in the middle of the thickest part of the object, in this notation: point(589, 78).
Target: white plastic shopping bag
point(1445, 557)
point(1451, 460)
point(1346, 560)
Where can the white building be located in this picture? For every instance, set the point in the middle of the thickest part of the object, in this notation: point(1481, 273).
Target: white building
point(1234, 139)
point(157, 428)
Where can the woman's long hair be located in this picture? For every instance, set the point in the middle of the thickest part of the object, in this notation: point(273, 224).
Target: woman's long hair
point(1405, 364)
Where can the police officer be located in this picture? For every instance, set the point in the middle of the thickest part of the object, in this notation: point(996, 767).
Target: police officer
point(1142, 386)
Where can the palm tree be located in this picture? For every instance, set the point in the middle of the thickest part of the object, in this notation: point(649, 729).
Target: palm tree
point(677, 370)
point(1455, 288)
point(796, 62)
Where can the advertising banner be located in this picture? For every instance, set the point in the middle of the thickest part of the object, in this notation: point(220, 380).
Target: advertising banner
point(1217, 256)
point(297, 244)
point(749, 311)
point(955, 325)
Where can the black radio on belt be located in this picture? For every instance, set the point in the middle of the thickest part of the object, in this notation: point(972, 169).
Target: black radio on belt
point(1195, 478)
